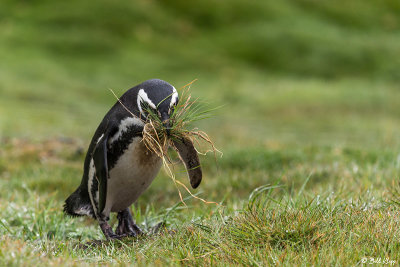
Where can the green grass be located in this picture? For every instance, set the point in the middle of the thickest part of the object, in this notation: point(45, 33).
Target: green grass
point(309, 128)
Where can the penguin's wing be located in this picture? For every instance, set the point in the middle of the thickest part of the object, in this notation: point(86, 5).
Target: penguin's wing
point(101, 165)
point(189, 157)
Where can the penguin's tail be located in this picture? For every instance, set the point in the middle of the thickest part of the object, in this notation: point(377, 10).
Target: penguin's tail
point(78, 204)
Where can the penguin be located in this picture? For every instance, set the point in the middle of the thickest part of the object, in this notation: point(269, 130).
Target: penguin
point(118, 167)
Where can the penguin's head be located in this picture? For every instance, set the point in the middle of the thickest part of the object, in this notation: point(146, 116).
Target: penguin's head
point(158, 96)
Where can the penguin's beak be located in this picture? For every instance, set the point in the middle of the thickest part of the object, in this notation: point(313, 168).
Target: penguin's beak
point(166, 123)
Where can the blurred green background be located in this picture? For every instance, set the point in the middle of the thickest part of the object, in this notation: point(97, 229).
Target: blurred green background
point(294, 77)
point(286, 70)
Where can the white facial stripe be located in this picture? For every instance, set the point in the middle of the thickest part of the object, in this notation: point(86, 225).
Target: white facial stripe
point(174, 97)
point(123, 127)
point(142, 96)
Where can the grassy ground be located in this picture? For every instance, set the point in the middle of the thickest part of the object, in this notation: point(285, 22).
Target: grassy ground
point(310, 129)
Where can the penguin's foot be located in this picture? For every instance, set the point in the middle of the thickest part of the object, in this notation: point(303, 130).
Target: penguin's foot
point(126, 227)
point(108, 232)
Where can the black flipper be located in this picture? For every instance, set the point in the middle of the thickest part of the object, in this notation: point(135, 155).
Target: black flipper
point(101, 165)
point(189, 157)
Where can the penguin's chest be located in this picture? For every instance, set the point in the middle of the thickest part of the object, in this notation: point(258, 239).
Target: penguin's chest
point(132, 174)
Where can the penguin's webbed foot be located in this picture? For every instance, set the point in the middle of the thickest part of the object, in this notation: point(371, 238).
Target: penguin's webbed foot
point(108, 232)
point(126, 227)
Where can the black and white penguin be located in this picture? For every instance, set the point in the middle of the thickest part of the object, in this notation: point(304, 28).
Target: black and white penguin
point(118, 167)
